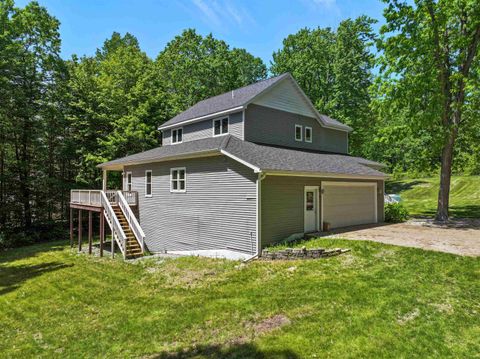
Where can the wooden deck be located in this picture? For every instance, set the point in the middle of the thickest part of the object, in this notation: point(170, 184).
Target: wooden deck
point(90, 200)
point(109, 205)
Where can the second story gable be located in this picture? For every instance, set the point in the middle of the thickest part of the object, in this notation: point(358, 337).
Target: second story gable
point(273, 112)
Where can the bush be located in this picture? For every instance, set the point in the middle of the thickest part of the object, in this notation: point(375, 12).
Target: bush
point(395, 213)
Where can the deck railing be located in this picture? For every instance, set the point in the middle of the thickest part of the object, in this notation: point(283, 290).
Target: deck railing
point(131, 219)
point(117, 232)
point(87, 197)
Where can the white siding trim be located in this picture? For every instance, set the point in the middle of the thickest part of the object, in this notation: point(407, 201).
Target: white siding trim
point(220, 119)
point(311, 134)
point(184, 169)
point(301, 133)
point(320, 174)
point(151, 183)
point(228, 154)
point(171, 135)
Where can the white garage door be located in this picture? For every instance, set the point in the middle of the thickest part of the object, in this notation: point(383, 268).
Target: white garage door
point(348, 203)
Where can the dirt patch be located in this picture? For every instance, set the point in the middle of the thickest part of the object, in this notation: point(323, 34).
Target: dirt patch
point(408, 317)
point(272, 323)
point(462, 238)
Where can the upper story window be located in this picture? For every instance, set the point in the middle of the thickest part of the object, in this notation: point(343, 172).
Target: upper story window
point(128, 181)
point(308, 134)
point(177, 135)
point(220, 126)
point(178, 179)
point(298, 132)
point(148, 183)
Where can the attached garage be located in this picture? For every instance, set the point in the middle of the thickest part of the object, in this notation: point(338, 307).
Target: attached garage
point(349, 203)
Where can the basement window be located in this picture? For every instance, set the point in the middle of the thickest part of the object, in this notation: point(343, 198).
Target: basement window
point(148, 183)
point(298, 132)
point(220, 126)
point(177, 135)
point(308, 134)
point(178, 179)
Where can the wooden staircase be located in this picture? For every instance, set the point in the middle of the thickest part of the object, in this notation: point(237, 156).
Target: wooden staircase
point(133, 249)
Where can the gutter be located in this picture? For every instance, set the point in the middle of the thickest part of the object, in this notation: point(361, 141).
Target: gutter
point(258, 210)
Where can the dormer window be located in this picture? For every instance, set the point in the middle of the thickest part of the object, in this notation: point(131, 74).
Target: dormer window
point(308, 134)
point(177, 135)
point(298, 133)
point(220, 126)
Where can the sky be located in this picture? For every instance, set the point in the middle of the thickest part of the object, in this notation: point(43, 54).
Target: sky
point(257, 26)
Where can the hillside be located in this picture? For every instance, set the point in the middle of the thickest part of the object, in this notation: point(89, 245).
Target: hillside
point(420, 195)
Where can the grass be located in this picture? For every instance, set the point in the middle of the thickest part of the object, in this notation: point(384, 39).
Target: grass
point(420, 195)
point(375, 301)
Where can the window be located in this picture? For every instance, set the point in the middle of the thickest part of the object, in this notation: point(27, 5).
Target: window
point(308, 134)
point(148, 183)
point(220, 126)
point(178, 180)
point(128, 181)
point(177, 135)
point(298, 132)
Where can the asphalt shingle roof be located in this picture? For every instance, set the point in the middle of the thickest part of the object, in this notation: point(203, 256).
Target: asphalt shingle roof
point(224, 101)
point(266, 158)
point(236, 98)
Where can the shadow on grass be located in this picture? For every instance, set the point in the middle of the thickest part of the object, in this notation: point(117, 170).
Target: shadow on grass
point(247, 350)
point(399, 186)
point(18, 253)
point(12, 277)
point(466, 211)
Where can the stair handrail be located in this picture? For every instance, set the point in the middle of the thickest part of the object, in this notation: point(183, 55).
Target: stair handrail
point(112, 220)
point(131, 219)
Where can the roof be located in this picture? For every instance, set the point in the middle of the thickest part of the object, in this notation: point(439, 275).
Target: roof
point(237, 99)
point(259, 157)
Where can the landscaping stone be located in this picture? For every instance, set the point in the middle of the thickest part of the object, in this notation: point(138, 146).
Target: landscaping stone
point(301, 253)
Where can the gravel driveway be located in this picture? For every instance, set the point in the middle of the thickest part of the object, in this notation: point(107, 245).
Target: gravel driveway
point(459, 237)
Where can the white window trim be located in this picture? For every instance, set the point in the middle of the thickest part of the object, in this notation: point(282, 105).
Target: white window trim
point(171, 135)
point(301, 133)
point(185, 179)
point(151, 183)
point(219, 119)
point(311, 134)
point(126, 180)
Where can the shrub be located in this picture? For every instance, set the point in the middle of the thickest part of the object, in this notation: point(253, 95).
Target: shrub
point(395, 213)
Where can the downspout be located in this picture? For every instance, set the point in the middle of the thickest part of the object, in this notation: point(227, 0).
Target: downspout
point(258, 210)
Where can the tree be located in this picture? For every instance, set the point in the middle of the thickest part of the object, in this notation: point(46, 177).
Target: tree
point(334, 68)
point(429, 54)
point(29, 65)
point(192, 68)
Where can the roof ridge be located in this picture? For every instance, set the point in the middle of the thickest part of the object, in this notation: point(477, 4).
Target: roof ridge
point(239, 88)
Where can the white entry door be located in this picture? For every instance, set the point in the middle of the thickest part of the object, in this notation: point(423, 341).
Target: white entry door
point(310, 207)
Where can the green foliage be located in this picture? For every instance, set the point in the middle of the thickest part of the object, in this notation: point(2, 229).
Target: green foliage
point(334, 68)
point(395, 213)
point(375, 301)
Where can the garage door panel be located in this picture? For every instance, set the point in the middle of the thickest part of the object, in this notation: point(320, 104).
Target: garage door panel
point(348, 204)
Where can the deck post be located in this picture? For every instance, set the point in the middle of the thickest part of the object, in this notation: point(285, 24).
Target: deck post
point(89, 232)
point(79, 230)
point(71, 227)
point(102, 231)
point(113, 246)
point(104, 180)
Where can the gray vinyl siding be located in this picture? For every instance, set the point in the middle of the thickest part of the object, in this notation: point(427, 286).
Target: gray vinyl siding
point(275, 127)
point(217, 211)
point(282, 205)
point(204, 129)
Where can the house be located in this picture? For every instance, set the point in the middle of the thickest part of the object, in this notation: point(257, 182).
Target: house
point(240, 171)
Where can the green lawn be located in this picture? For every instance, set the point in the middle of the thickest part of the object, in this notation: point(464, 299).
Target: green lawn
point(420, 195)
point(376, 301)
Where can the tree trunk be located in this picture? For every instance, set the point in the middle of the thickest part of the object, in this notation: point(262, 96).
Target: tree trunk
point(445, 176)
